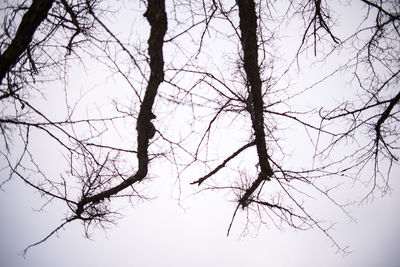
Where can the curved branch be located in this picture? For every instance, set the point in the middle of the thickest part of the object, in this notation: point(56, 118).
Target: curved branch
point(248, 28)
point(157, 18)
point(68, 220)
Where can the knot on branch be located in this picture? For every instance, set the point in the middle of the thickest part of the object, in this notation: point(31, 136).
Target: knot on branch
point(145, 126)
point(265, 175)
point(79, 208)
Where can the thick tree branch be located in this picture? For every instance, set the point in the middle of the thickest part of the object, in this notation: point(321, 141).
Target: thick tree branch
point(157, 18)
point(248, 28)
point(386, 115)
point(31, 20)
point(395, 16)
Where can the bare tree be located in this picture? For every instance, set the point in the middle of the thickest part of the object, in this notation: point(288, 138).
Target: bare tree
point(247, 92)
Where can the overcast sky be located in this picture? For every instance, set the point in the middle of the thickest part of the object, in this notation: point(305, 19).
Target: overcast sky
point(160, 233)
point(165, 232)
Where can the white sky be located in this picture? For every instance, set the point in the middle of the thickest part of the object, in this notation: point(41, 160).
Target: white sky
point(162, 233)
point(159, 233)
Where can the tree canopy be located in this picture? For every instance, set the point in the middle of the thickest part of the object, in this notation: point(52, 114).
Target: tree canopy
point(275, 104)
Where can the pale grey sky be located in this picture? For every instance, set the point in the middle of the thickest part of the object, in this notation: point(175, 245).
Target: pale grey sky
point(165, 232)
point(159, 233)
